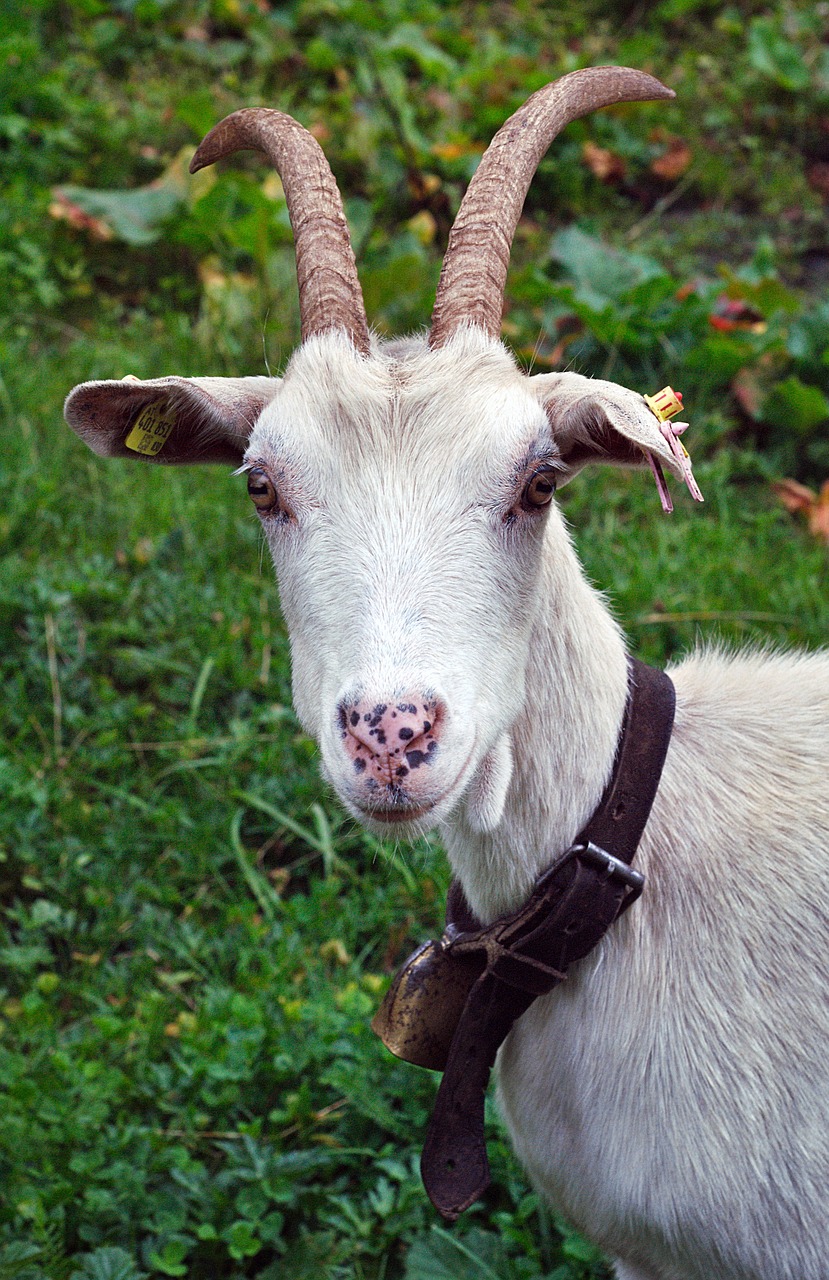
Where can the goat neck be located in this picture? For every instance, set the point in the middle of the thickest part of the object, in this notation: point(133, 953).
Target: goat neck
point(561, 745)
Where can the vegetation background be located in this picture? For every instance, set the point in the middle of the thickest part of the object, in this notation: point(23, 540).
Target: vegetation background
point(192, 934)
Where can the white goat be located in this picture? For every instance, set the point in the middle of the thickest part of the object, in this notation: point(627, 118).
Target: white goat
point(670, 1099)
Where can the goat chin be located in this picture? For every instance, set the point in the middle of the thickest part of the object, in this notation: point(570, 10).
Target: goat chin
point(487, 792)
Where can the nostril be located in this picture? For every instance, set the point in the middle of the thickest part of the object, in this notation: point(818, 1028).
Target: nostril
point(437, 718)
point(414, 726)
point(400, 735)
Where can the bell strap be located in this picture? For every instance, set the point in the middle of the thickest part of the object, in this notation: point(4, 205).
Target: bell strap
point(575, 903)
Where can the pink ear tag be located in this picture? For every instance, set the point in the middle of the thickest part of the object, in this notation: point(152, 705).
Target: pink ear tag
point(665, 405)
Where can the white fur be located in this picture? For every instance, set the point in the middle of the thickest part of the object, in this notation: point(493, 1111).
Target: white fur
point(671, 1098)
point(487, 794)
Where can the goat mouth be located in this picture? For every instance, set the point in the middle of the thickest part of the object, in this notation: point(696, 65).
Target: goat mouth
point(399, 814)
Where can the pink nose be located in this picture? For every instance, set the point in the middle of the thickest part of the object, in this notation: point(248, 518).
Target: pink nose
point(387, 741)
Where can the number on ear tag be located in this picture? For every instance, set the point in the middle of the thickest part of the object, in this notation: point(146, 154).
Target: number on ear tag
point(151, 429)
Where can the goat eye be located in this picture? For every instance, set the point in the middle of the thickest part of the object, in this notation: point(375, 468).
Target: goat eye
point(540, 488)
point(261, 489)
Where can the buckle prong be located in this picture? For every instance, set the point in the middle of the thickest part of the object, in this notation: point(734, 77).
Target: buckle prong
point(613, 867)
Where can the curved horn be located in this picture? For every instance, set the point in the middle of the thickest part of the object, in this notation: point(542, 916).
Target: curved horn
point(471, 288)
point(329, 291)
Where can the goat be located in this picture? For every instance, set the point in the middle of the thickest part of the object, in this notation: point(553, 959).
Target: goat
point(668, 1098)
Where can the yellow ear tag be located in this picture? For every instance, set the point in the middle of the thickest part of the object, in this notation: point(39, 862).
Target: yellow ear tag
point(665, 404)
point(151, 429)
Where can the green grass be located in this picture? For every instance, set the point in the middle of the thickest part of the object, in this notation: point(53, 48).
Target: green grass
point(193, 936)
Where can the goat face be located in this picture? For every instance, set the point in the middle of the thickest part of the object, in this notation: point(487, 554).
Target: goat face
point(406, 498)
point(404, 489)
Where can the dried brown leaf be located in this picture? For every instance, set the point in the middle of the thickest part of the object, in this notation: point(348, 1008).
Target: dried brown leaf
point(798, 497)
point(819, 514)
point(794, 496)
point(65, 210)
point(456, 150)
point(674, 161)
point(604, 164)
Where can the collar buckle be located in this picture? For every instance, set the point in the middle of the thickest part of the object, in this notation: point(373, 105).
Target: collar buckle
point(614, 868)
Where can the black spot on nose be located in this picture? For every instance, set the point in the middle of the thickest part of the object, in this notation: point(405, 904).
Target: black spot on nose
point(359, 765)
point(405, 734)
point(355, 717)
point(417, 758)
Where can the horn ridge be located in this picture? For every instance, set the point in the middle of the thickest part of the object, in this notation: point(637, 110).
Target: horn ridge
point(474, 272)
point(329, 289)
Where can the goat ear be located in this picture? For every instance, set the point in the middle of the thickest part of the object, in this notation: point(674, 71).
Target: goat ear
point(170, 420)
point(596, 421)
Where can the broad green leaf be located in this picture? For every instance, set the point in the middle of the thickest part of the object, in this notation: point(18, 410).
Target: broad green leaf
point(108, 1263)
point(20, 1260)
point(601, 274)
point(170, 1261)
point(241, 1240)
point(808, 335)
point(772, 54)
point(766, 293)
point(321, 56)
point(136, 217)
point(444, 1255)
point(580, 1250)
point(411, 41)
point(719, 357)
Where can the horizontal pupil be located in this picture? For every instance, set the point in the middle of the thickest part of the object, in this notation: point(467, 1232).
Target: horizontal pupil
point(541, 488)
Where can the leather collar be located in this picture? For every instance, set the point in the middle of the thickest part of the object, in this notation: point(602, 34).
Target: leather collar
point(455, 999)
